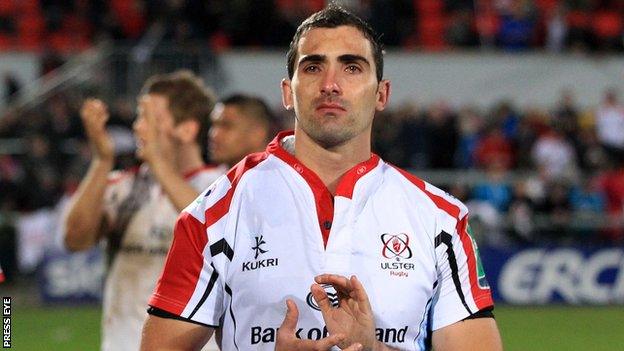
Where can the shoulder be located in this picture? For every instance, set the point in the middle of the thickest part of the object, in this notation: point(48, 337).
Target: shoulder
point(421, 190)
point(213, 203)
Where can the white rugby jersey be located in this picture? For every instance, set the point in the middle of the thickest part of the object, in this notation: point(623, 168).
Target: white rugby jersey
point(141, 217)
point(262, 233)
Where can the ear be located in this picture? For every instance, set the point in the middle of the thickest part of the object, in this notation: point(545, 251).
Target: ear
point(383, 94)
point(187, 131)
point(287, 94)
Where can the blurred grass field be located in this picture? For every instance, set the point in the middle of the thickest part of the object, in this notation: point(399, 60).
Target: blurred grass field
point(523, 328)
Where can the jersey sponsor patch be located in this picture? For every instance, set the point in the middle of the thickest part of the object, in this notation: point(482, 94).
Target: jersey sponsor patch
point(261, 335)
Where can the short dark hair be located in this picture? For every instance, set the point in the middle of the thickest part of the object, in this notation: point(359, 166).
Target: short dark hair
point(188, 97)
point(331, 17)
point(255, 107)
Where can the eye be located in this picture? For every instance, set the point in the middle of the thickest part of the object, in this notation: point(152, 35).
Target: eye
point(311, 68)
point(353, 68)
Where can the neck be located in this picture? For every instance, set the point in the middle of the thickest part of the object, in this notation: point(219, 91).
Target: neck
point(188, 158)
point(330, 164)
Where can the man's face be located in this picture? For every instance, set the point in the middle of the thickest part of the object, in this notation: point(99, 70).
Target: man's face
point(234, 135)
point(334, 89)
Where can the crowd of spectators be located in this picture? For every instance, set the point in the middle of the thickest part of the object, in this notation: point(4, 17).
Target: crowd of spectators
point(511, 25)
point(545, 175)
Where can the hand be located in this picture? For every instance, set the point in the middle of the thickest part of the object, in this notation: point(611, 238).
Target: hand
point(287, 340)
point(154, 145)
point(353, 318)
point(94, 115)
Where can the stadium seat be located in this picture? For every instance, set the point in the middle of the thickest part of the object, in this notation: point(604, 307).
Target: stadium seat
point(6, 42)
point(30, 29)
point(7, 7)
point(607, 24)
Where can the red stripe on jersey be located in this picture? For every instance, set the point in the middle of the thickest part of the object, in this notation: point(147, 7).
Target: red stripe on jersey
point(118, 176)
point(1, 275)
point(221, 207)
point(195, 171)
point(348, 180)
point(439, 201)
point(183, 266)
point(482, 296)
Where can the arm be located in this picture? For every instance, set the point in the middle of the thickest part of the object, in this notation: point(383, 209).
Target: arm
point(172, 334)
point(85, 215)
point(157, 149)
point(458, 257)
point(178, 190)
point(469, 335)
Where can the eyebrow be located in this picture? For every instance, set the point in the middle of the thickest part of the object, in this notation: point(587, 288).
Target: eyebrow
point(342, 58)
point(353, 58)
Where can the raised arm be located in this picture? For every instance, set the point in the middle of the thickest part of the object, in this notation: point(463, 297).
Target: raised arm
point(84, 218)
point(157, 149)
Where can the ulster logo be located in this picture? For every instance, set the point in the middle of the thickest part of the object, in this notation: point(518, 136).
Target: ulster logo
point(396, 246)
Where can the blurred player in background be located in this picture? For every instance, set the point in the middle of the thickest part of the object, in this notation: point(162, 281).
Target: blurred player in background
point(135, 210)
point(317, 214)
point(241, 125)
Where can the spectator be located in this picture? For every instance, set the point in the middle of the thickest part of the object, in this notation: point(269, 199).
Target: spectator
point(494, 147)
point(553, 154)
point(610, 123)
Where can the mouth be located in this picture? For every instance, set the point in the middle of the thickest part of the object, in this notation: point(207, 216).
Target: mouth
point(328, 107)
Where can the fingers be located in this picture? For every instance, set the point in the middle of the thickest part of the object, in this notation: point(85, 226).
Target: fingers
point(292, 316)
point(339, 282)
point(94, 114)
point(148, 111)
point(328, 342)
point(346, 287)
point(288, 341)
point(354, 347)
point(321, 298)
point(359, 293)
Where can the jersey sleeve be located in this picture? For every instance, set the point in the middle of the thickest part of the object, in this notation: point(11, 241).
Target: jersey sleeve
point(462, 287)
point(191, 285)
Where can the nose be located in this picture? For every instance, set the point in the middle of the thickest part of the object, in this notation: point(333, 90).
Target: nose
point(330, 85)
